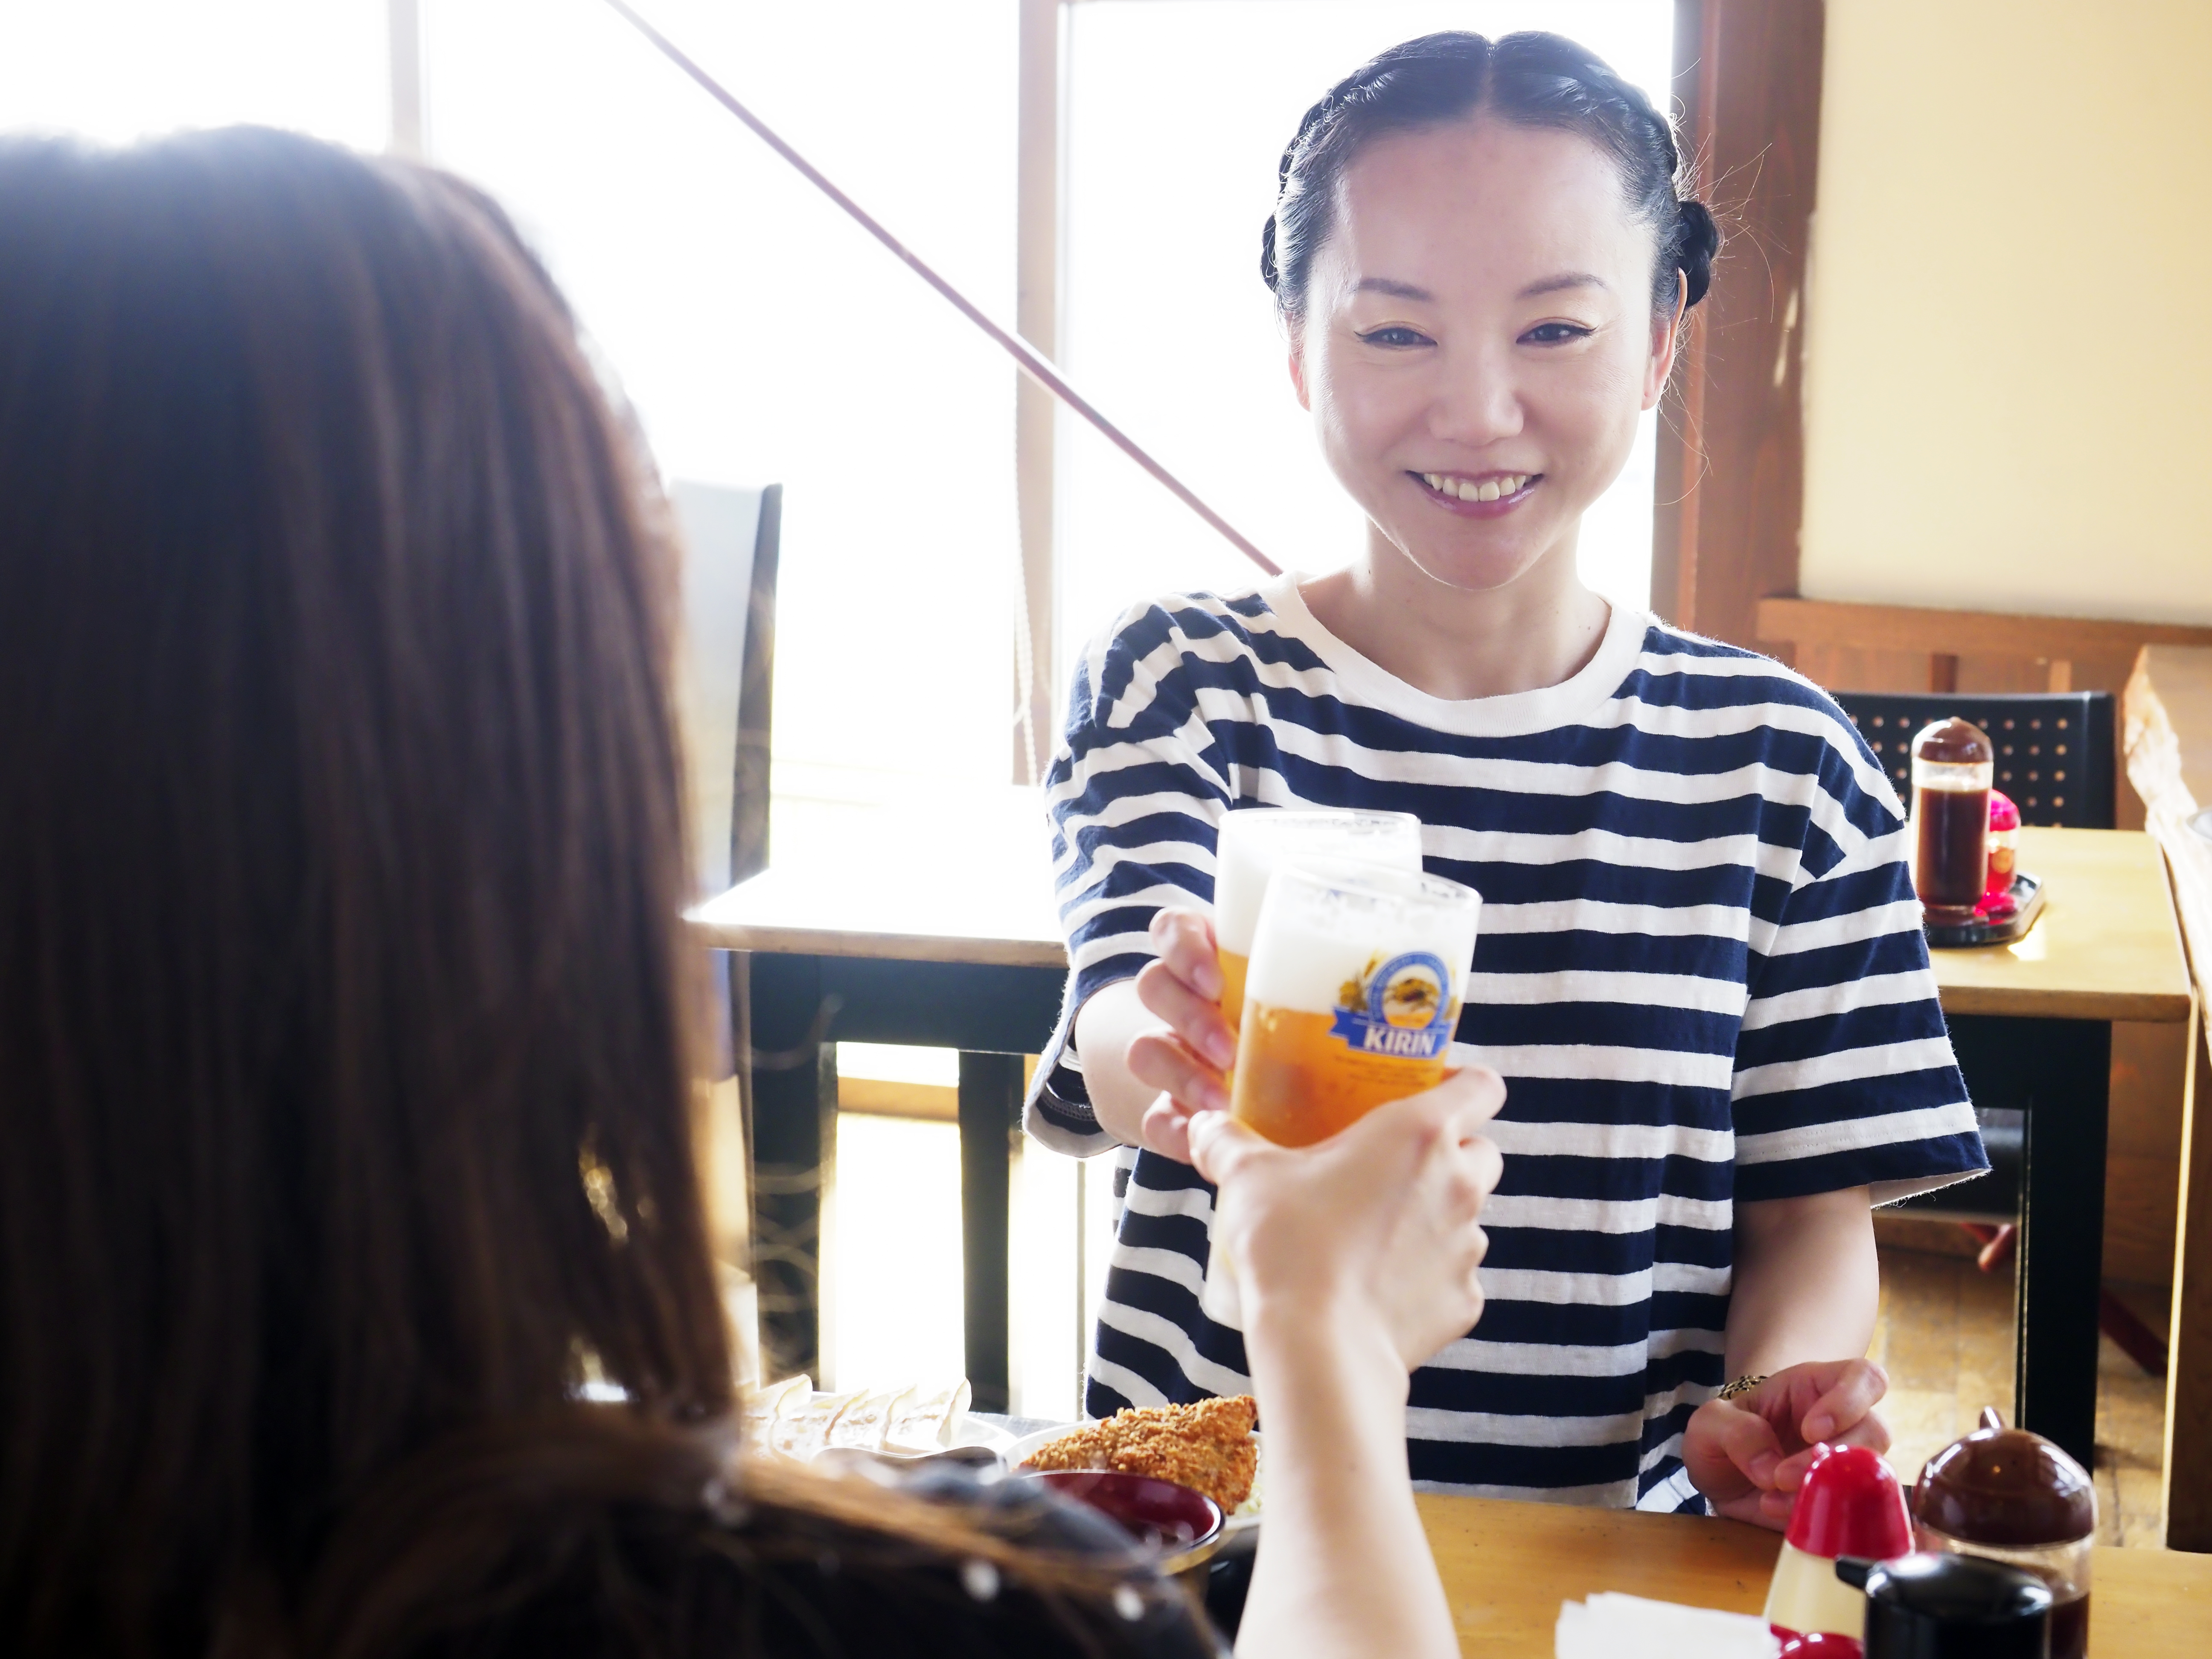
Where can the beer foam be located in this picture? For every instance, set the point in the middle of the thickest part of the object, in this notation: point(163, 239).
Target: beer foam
point(1337, 921)
point(1253, 844)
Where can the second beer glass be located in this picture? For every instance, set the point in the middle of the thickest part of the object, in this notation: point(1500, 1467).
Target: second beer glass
point(1352, 996)
point(1253, 844)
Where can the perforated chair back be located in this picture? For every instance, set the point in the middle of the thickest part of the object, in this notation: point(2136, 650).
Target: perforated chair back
point(726, 666)
point(2054, 749)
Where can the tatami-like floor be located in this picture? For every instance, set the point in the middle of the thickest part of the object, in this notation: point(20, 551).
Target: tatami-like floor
point(1945, 1337)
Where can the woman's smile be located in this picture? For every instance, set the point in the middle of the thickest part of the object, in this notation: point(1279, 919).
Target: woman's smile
point(1477, 495)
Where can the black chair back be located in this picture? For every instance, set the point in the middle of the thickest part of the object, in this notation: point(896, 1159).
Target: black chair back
point(2055, 749)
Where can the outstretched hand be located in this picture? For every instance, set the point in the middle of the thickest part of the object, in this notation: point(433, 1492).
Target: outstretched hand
point(1371, 1235)
point(1749, 1455)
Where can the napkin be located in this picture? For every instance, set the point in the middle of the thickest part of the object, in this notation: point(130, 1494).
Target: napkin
point(1610, 1626)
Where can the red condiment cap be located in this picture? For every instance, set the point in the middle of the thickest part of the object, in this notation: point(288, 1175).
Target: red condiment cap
point(2003, 815)
point(1851, 1504)
point(1819, 1644)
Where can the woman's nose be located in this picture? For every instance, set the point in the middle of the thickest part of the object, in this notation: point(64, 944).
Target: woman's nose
point(1477, 402)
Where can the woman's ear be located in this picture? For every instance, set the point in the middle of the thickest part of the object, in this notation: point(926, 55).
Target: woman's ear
point(1298, 368)
point(1665, 341)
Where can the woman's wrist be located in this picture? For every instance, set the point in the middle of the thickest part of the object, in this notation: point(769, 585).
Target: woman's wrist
point(1295, 1341)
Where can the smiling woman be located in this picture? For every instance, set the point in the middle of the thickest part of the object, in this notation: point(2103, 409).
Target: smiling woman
point(1700, 971)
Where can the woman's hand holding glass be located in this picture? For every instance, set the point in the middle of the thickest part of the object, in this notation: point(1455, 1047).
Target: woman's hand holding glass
point(1189, 1059)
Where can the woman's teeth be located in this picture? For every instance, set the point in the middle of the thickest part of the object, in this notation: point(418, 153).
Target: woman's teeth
point(1467, 490)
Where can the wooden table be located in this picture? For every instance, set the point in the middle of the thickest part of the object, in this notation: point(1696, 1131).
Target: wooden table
point(932, 925)
point(2166, 718)
point(2031, 1024)
point(946, 935)
point(1506, 1567)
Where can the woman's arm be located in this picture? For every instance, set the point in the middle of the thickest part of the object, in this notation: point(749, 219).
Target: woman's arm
point(1807, 1288)
point(1356, 1261)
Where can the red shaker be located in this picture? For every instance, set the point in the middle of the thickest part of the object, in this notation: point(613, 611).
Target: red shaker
point(1850, 1504)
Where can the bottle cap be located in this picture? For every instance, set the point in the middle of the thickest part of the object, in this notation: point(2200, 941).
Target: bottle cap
point(1953, 741)
point(2003, 815)
point(1850, 1504)
point(1932, 1607)
point(2001, 1486)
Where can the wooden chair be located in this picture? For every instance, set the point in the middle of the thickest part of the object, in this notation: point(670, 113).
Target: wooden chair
point(2054, 759)
point(2055, 754)
point(727, 672)
point(724, 684)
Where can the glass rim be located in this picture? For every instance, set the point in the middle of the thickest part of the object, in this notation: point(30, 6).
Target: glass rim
point(1362, 878)
point(1264, 819)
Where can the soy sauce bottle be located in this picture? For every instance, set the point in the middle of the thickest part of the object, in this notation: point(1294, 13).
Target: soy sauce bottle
point(1951, 1606)
point(1954, 769)
point(2009, 1495)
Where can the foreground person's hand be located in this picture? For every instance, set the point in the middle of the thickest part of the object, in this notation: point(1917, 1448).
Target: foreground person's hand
point(1748, 1456)
point(1355, 1260)
point(1188, 1059)
point(1372, 1229)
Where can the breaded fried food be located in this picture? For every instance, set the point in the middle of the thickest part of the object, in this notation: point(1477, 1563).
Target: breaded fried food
point(1206, 1446)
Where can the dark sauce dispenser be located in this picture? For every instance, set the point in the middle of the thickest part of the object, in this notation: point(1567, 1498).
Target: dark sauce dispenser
point(1954, 769)
point(2010, 1496)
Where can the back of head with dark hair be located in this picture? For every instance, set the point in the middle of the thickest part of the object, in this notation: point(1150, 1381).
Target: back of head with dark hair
point(1531, 79)
point(340, 873)
point(339, 867)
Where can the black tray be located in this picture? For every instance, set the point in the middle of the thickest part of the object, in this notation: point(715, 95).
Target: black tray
point(2027, 899)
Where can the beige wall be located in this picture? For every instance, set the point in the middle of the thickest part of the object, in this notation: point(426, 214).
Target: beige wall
point(2008, 326)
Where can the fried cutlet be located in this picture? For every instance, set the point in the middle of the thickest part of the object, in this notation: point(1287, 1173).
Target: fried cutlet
point(1206, 1446)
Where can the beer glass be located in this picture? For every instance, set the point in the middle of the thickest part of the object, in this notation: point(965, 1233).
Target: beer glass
point(1252, 844)
point(1352, 995)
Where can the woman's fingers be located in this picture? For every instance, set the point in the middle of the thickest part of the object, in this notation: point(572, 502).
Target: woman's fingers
point(1184, 940)
point(1747, 1440)
point(1849, 1395)
point(1221, 1147)
point(1196, 1019)
point(1163, 1061)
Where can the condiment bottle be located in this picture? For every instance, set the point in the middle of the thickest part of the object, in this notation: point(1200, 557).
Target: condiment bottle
point(2010, 1496)
point(1951, 1606)
point(2004, 855)
point(1850, 1504)
point(1952, 770)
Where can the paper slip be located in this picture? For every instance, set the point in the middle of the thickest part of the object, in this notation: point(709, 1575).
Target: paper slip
point(1610, 1626)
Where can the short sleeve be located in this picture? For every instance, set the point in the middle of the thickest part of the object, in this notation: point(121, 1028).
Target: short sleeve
point(1843, 1070)
point(1135, 792)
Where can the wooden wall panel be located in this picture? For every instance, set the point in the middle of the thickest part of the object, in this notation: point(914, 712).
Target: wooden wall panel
point(1731, 481)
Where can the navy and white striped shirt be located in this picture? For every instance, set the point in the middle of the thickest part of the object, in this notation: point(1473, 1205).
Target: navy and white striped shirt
point(1700, 972)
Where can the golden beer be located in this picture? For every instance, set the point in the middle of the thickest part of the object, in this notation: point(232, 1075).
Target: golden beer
point(1253, 842)
point(1351, 997)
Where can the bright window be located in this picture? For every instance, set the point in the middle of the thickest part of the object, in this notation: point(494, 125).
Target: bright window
point(764, 339)
point(1177, 111)
point(120, 70)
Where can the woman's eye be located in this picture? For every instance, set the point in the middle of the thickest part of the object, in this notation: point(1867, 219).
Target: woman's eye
point(1394, 335)
point(1556, 333)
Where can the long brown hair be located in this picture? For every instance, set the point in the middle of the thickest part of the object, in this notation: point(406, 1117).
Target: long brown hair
point(345, 1025)
point(339, 866)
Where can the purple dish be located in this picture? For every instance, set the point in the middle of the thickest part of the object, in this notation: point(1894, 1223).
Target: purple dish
point(1183, 1525)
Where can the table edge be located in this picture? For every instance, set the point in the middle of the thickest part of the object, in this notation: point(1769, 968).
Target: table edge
point(881, 947)
point(2020, 1002)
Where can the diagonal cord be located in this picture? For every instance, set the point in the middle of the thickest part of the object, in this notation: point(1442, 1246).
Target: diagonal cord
point(1033, 363)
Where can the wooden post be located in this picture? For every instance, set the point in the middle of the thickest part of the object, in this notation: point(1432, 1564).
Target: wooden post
point(2166, 718)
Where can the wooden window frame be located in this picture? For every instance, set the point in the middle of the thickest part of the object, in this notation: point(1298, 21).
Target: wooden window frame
point(1730, 473)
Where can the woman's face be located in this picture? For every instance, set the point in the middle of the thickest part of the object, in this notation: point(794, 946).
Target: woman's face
point(1478, 341)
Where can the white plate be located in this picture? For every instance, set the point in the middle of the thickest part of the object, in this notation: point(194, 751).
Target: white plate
point(1246, 1515)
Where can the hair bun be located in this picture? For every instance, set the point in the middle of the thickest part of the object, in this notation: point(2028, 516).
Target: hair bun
point(1699, 239)
point(1268, 253)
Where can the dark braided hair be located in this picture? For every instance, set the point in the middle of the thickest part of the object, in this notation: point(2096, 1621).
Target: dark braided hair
point(1531, 80)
